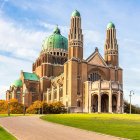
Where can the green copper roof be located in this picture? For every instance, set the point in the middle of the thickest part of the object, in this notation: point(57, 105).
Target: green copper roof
point(30, 76)
point(56, 30)
point(17, 83)
point(75, 14)
point(110, 25)
point(55, 41)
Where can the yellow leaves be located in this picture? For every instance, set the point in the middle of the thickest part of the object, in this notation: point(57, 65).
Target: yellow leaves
point(14, 106)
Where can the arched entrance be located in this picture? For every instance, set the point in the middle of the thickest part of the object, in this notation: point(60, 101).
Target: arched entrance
point(104, 103)
point(94, 103)
point(114, 103)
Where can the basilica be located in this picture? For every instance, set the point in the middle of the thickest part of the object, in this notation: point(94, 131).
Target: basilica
point(61, 74)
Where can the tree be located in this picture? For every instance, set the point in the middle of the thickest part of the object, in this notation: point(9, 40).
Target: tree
point(134, 109)
point(48, 108)
point(14, 106)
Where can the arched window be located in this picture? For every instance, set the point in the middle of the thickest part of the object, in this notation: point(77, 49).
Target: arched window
point(94, 77)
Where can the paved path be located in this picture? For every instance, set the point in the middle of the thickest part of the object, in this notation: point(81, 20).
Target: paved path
point(33, 128)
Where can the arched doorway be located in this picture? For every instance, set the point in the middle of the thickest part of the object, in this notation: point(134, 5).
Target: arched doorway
point(94, 103)
point(114, 103)
point(104, 103)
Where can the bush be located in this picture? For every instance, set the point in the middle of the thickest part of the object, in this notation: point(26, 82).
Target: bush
point(3, 107)
point(14, 106)
point(48, 108)
point(34, 108)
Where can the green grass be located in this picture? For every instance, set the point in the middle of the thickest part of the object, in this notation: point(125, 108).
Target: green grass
point(4, 135)
point(15, 115)
point(121, 125)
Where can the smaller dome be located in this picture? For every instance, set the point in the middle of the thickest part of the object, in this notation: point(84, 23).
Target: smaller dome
point(75, 14)
point(17, 83)
point(110, 25)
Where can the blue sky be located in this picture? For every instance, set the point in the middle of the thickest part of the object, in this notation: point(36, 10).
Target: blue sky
point(24, 24)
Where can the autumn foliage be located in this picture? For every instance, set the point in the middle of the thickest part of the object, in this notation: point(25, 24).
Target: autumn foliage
point(14, 106)
point(47, 108)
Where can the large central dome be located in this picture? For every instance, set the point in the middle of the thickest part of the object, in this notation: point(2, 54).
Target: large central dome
point(55, 42)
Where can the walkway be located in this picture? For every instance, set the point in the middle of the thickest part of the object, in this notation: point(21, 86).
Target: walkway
point(33, 128)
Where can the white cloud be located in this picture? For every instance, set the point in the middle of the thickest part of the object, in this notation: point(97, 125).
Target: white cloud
point(18, 41)
point(3, 89)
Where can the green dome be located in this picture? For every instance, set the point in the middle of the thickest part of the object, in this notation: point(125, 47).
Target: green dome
point(55, 41)
point(75, 14)
point(17, 83)
point(110, 25)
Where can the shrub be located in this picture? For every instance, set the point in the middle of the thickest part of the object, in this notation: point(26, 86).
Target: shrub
point(14, 106)
point(3, 106)
point(47, 108)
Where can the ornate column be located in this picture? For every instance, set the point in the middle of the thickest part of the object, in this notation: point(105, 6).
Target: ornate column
point(118, 103)
point(99, 98)
point(52, 94)
point(47, 96)
point(99, 103)
point(89, 106)
point(58, 99)
point(110, 98)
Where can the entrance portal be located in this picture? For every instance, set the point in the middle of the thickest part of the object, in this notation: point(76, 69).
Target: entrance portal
point(104, 103)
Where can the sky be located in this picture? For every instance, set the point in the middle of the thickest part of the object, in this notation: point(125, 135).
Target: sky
point(24, 24)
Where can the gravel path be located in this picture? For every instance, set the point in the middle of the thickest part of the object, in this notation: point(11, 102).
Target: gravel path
point(33, 128)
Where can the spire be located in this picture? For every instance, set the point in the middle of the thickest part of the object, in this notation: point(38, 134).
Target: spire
point(75, 42)
point(56, 30)
point(111, 46)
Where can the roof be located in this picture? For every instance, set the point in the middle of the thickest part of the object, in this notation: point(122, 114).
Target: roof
point(75, 14)
point(96, 58)
point(17, 83)
point(55, 41)
point(30, 76)
point(110, 25)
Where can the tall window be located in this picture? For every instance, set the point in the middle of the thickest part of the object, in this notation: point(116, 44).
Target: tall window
point(94, 77)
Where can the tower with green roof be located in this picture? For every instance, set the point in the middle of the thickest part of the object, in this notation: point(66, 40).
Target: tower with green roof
point(75, 45)
point(111, 46)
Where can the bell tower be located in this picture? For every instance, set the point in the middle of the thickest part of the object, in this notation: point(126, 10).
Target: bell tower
point(111, 46)
point(75, 41)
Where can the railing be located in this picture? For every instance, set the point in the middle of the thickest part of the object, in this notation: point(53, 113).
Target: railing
point(106, 85)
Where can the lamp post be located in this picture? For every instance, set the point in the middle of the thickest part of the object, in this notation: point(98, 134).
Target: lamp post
point(42, 103)
point(23, 104)
point(130, 95)
point(24, 101)
point(8, 107)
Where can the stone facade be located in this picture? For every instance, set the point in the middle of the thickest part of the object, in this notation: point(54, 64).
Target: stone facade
point(82, 85)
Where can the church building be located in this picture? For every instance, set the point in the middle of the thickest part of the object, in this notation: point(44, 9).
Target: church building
point(61, 74)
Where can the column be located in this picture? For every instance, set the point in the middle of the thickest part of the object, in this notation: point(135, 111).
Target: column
point(58, 99)
point(52, 94)
point(47, 96)
point(99, 102)
point(118, 103)
point(110, 102)
point(110, 98)
point(89, 105)
point(99, 97)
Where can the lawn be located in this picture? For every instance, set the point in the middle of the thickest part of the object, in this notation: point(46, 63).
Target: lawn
point(4, 135)
point(121, 125)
